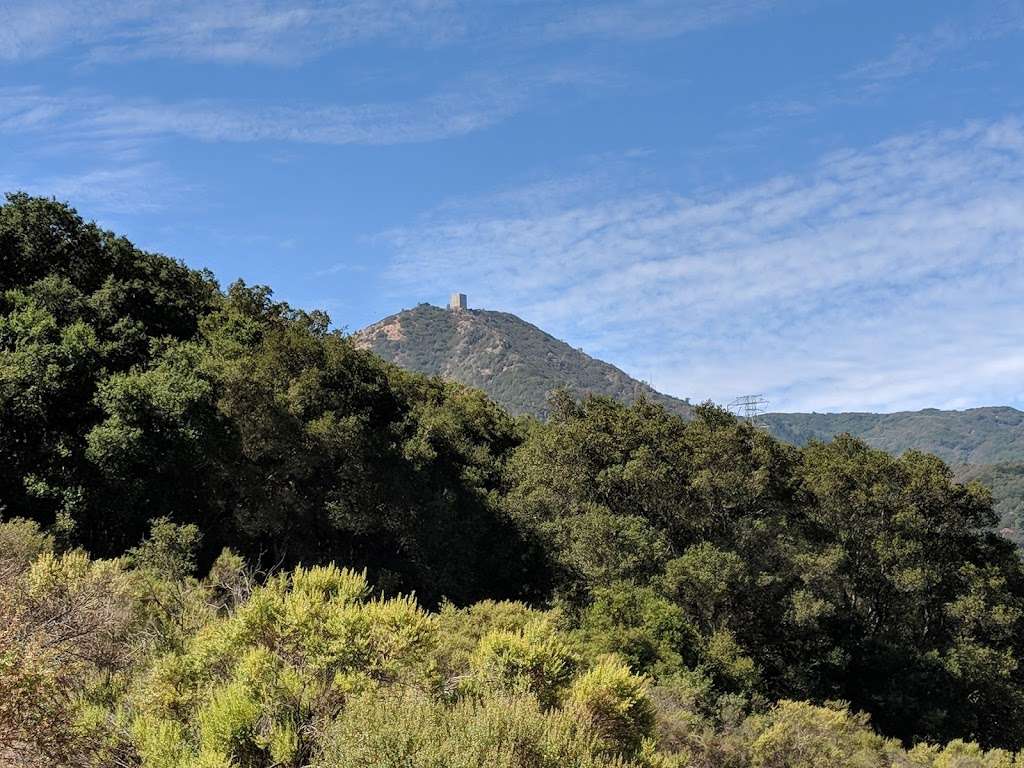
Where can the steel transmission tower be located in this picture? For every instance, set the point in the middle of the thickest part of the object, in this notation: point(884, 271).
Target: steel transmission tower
point(749, 407)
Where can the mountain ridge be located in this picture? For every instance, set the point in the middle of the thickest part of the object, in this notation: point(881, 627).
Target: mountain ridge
point(980, 435)
point(516, 363)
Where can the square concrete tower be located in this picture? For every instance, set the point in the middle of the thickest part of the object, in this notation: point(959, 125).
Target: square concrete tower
point(457, 302)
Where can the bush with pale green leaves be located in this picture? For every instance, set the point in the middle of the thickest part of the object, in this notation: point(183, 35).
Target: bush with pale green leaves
point(311, 667)
point(251, 688)
point(409, 730)
point(533, 660)
point(614, 702)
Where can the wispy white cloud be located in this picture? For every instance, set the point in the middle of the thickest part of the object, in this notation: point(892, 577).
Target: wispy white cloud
point(122, 190)
point(881, 278)
point(112, 153)
point(646, 19)
point(276, 31)
point(230, 30)
point(474, 105)
point(912, 54)
point(916, 53)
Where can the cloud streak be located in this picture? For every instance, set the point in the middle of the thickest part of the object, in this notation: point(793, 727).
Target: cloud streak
point(478, 104)
point(131, 189)
point(881, 278)
point(915, 54)
point(231, 30)
point(647, 19)
point(911, 55)
point(278, 32)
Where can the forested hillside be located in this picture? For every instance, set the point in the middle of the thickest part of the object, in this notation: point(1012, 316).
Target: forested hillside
point(983, 444)
point(1006, 481)
point(133, 388)
point(231, 538)
point(972, 436)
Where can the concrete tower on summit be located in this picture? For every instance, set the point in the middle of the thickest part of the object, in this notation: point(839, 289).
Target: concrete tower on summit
point(457, 302)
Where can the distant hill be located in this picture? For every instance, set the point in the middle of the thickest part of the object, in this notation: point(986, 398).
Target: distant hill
point(516, 363)
point(973, 436)
point(1006, 481)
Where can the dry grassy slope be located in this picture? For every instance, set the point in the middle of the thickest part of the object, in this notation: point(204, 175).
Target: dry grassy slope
point(515, 362)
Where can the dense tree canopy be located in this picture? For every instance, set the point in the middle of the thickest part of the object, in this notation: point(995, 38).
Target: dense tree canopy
point(830, 572)
point(732, 570)
point(131, 388)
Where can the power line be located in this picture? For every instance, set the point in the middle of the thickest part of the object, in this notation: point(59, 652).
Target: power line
point(749, 407)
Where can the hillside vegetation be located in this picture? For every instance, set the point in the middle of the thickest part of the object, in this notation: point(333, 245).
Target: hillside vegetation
point(983, 444)
point(232, 539)
point(517, 364)
point(1006, 481)
point(135, 662)
point(972, 436)
point(132, 388)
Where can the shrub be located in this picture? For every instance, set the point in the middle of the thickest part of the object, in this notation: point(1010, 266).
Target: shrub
point(613, 701)
point(653, 634)
point(800, 735)
point(247, 689)
point(409, 730)
point(65, 629)
point(533, 660)
point(464, 628)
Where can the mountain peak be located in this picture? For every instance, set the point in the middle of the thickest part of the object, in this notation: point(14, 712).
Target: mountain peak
point(515, 362)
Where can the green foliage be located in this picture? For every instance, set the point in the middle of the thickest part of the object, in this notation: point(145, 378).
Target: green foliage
point(613, 701)
point(532, 660)
point(78, 305)
point(248, 688)
point(310, 669)
point(157, 421)
point(520, 366)
point(972, 436)
point(798, 735)
point(814, 573)
point(132, 389)
point(411, 731)
point(1006, 482)
point(464, 628)
point(601, 548)
point(704, 580)
point(652, 633)
point(169, 551)
point(67, 624)
point(21, 542)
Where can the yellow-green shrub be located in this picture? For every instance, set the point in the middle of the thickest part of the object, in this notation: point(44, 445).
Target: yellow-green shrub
point(66, 626)
point(247, 688)
point(410, 730)
point(463, 627)
point(614, 702)
point(961, 754)
point(533, 660)
point(800, 735)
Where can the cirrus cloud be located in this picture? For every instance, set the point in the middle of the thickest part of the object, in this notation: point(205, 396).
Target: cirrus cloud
point(888, 277)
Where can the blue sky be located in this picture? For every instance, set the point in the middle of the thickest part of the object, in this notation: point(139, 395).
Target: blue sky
point(821, 201)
